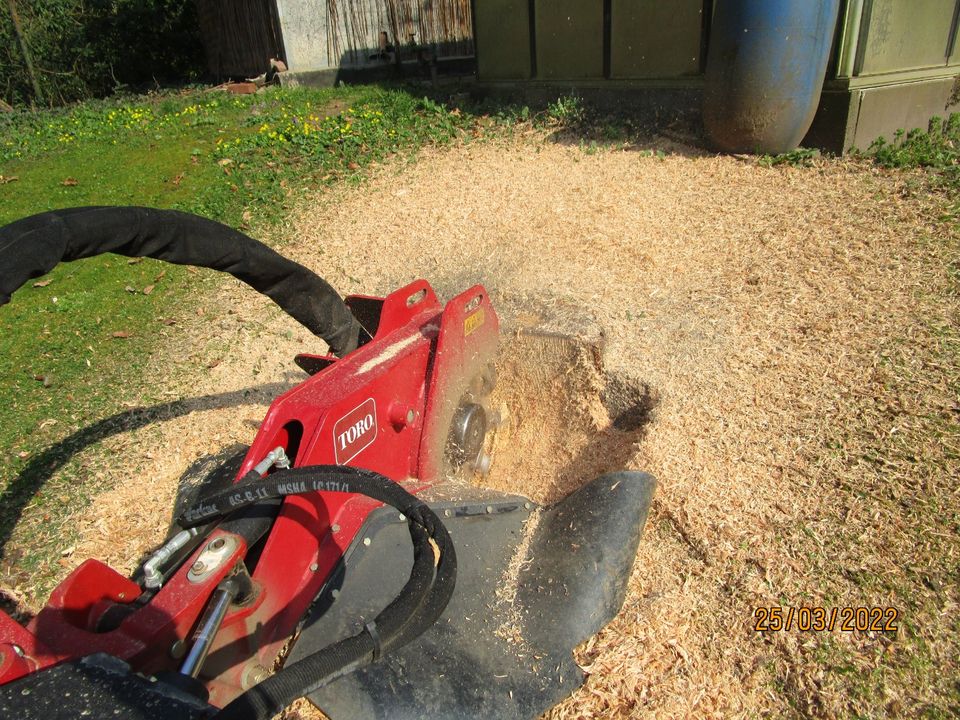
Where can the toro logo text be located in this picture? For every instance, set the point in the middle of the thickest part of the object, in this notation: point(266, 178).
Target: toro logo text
point(355, 431)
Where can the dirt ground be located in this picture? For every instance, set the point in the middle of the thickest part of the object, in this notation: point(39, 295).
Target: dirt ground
point(783, 321)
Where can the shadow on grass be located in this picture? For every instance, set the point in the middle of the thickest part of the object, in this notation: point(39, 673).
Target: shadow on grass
point(646, 121)
point(41, 468)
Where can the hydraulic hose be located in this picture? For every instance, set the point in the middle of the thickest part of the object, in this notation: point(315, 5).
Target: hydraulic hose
point(419, 604)
point(35, 245)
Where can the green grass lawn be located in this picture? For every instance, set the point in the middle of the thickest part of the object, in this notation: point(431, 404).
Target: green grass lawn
point(58, 357)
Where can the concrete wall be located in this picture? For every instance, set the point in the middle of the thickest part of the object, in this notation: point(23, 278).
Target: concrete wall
point(304, 27)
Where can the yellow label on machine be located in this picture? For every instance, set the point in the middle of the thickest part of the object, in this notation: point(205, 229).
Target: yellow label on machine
point(473, 322)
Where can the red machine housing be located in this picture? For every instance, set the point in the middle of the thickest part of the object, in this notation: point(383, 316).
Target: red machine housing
point(386, 407)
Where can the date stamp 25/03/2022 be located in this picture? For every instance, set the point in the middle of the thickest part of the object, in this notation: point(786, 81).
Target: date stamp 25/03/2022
point(821, 619)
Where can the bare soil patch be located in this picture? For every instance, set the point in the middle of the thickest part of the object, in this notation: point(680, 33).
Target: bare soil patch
point(770, 352)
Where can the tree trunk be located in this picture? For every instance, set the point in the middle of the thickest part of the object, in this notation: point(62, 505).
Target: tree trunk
point(28, 61)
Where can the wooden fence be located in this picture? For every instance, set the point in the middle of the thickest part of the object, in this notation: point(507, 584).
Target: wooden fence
point(354, 27)
point(241, 35)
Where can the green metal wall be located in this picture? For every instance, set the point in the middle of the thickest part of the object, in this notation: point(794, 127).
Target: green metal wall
point(895, 61)
point(896, 66)
point(502, 39)
point(663, 39)
point(651, 39)
point(895, 36)
point(569, 39)
point(907, 35)
point(589, 40)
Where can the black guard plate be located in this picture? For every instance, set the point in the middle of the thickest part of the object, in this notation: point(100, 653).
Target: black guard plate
point(97, 687)
point(493, 653)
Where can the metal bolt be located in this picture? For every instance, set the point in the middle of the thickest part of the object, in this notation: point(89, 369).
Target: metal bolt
point(198, 567)
point(121, 596)
point(526, 506)
point(366, 541)
point(489, 509)
point(254, 674)
point(403, 517)
point(411, 416)
point(314, 567)
point(18, 650)
point(178, 649)
point(217, 544)
point(335, 528)
point(482, 465)
point(447, 513)
point(334, 594)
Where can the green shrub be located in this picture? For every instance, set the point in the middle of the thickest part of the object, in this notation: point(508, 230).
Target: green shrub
point(88, 48)
point(938, 147)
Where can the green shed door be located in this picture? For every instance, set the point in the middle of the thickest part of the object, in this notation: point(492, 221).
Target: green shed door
point(502, 37)
point(655, 39)
point(569, 39)
point(906, 35)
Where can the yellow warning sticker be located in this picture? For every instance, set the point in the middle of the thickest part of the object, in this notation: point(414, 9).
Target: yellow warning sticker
point(473, 322)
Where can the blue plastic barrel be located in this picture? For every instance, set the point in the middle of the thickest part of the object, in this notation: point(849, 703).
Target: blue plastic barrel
point(765, 67)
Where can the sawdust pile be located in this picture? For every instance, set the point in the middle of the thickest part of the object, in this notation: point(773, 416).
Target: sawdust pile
point(745, 312)
point(756, 302)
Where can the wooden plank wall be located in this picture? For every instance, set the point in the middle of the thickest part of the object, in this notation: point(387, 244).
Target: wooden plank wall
point(241, 35)
point(355, 27)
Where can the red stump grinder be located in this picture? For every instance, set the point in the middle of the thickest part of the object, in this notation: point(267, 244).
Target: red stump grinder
point(349, 555)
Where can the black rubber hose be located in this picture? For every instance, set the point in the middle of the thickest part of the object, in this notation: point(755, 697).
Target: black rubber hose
point(253, 488)
point(35, 245)
point(419, 604)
